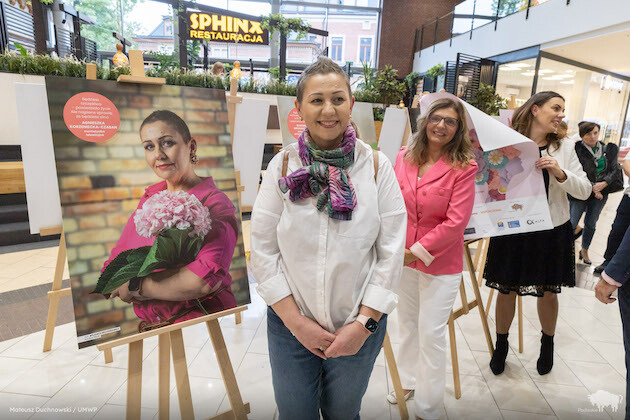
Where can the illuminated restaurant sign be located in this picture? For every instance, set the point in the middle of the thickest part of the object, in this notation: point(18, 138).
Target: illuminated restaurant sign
point(219, 27)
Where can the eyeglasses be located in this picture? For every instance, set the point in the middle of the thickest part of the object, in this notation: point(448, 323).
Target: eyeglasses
point(450, 122)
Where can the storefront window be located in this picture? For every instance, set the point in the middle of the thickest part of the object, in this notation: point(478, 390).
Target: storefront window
point(589, 96)
point(515, 80)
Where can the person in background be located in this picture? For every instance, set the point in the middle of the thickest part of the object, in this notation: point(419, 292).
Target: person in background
point(615, 278)
point(621, 222)
point(436, 174)
point(599, 161)
point(218, 69)
point(539, 263)
point(327, 249)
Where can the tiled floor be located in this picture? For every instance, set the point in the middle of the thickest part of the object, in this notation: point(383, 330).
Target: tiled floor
point(589, 358)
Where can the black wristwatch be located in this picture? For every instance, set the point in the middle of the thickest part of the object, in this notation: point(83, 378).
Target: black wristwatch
point(134, 284)
point(370, 324)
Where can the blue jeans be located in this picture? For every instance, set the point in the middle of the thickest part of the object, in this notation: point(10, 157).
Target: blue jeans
point(593, 208)
point(304, 384)
point(618, 229)
point(623, 293)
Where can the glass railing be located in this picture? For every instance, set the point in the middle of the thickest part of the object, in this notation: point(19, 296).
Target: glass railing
point(468, 16)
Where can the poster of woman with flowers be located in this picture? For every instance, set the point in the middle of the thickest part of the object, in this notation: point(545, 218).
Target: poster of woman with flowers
point(149, 205)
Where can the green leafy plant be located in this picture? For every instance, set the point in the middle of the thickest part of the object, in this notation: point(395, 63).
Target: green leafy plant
point(379, 113)
point(284, 26)
point(391, 91)
point(21, 49)
point(435, 71)
point(487, 100)
point(411, 80)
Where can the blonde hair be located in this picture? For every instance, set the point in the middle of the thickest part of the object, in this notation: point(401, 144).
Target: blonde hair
point(458, 150)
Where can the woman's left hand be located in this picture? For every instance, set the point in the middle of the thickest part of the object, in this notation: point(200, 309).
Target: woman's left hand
point(350, 339)
point(551, 164)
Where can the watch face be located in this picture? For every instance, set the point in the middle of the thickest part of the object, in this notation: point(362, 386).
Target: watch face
point(371, 325)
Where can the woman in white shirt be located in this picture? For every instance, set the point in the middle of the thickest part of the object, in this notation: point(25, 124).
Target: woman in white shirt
point(327, 244)
point(539, 263)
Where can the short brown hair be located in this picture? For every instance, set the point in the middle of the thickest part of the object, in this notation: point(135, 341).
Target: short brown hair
point(458, 150)
point(523, 117)
point(586, 127)
point(323, 65)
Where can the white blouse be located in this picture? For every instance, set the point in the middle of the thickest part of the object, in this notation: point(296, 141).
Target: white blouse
point(576, 184)
point(331, 267)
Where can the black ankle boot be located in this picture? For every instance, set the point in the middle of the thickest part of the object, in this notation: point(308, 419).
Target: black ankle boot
point(497, 363)
point(545, 361)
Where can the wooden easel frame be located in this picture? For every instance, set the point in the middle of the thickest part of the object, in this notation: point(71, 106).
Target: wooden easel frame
point(56, 291)
point(475, 269)
point(170, 342)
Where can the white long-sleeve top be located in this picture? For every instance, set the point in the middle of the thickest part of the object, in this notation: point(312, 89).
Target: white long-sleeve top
point(576, 184)
point(331, 267)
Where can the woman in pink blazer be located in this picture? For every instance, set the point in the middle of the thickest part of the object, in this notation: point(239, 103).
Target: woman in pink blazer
point(436, 174)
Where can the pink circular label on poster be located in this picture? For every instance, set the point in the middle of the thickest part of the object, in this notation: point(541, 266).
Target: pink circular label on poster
point(296, 125)
point(91, 117)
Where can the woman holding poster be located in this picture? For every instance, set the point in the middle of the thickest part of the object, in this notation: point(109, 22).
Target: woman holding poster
point(188, 209)
point(328, 231)
point(539, 263)
point(436, 174)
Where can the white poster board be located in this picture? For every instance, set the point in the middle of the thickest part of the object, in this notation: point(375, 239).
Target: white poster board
point(290, 124)
point(38, 157)
point(509, 191)
point(250, 130)
point(8, 112)
point(395, 123)
point(363, 117)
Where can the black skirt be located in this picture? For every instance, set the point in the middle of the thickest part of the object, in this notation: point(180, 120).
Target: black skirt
point(532, 263)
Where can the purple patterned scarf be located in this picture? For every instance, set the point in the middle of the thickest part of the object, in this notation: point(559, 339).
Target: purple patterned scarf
point(325, 175)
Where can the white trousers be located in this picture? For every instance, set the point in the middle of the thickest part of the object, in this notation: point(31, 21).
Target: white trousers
point(424, 306)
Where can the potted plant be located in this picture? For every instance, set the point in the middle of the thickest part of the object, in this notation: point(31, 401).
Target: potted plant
point(436, 73)
point(487, 100)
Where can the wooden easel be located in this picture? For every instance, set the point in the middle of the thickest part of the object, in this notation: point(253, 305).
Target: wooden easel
point(170, 341)
point(232, 99)
point(476, 275)
point(170, 338)
point(393, 371)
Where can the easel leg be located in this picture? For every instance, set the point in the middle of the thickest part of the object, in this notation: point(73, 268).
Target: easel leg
point(53, 304)
point(482, 312)
point(490, 296)
point(164, 374)
point(181, 375)
point(519, 303)
point(227, 372)
point(238, 318)
point(393, 371)
point(454, 360)
point(54, 298)
point(134, 380)
point(107, 354)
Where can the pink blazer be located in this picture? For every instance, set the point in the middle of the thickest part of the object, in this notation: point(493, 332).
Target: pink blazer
point(439, 206)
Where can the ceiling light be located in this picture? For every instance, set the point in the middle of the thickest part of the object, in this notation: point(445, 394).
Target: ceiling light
point(528, 73)
point(568, 82)
point(545, 71)
point(519, 65)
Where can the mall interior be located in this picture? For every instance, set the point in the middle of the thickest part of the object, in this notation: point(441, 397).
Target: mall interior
point(220, 367)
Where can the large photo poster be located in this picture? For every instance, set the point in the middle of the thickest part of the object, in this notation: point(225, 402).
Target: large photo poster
point(149, 204)
point(509, 191)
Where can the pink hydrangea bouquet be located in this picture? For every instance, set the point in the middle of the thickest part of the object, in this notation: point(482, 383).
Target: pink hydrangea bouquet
point(178, 221)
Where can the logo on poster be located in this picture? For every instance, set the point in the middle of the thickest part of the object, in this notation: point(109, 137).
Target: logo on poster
point(534, 221)
point(500, 225)
point(296, 125)
point(514, 224)
point(91, 117)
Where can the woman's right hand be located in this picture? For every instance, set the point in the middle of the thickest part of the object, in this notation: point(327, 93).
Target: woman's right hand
point(311, 335)
point(409, 257)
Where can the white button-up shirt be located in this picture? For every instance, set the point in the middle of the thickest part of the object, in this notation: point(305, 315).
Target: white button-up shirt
point(331, 267)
